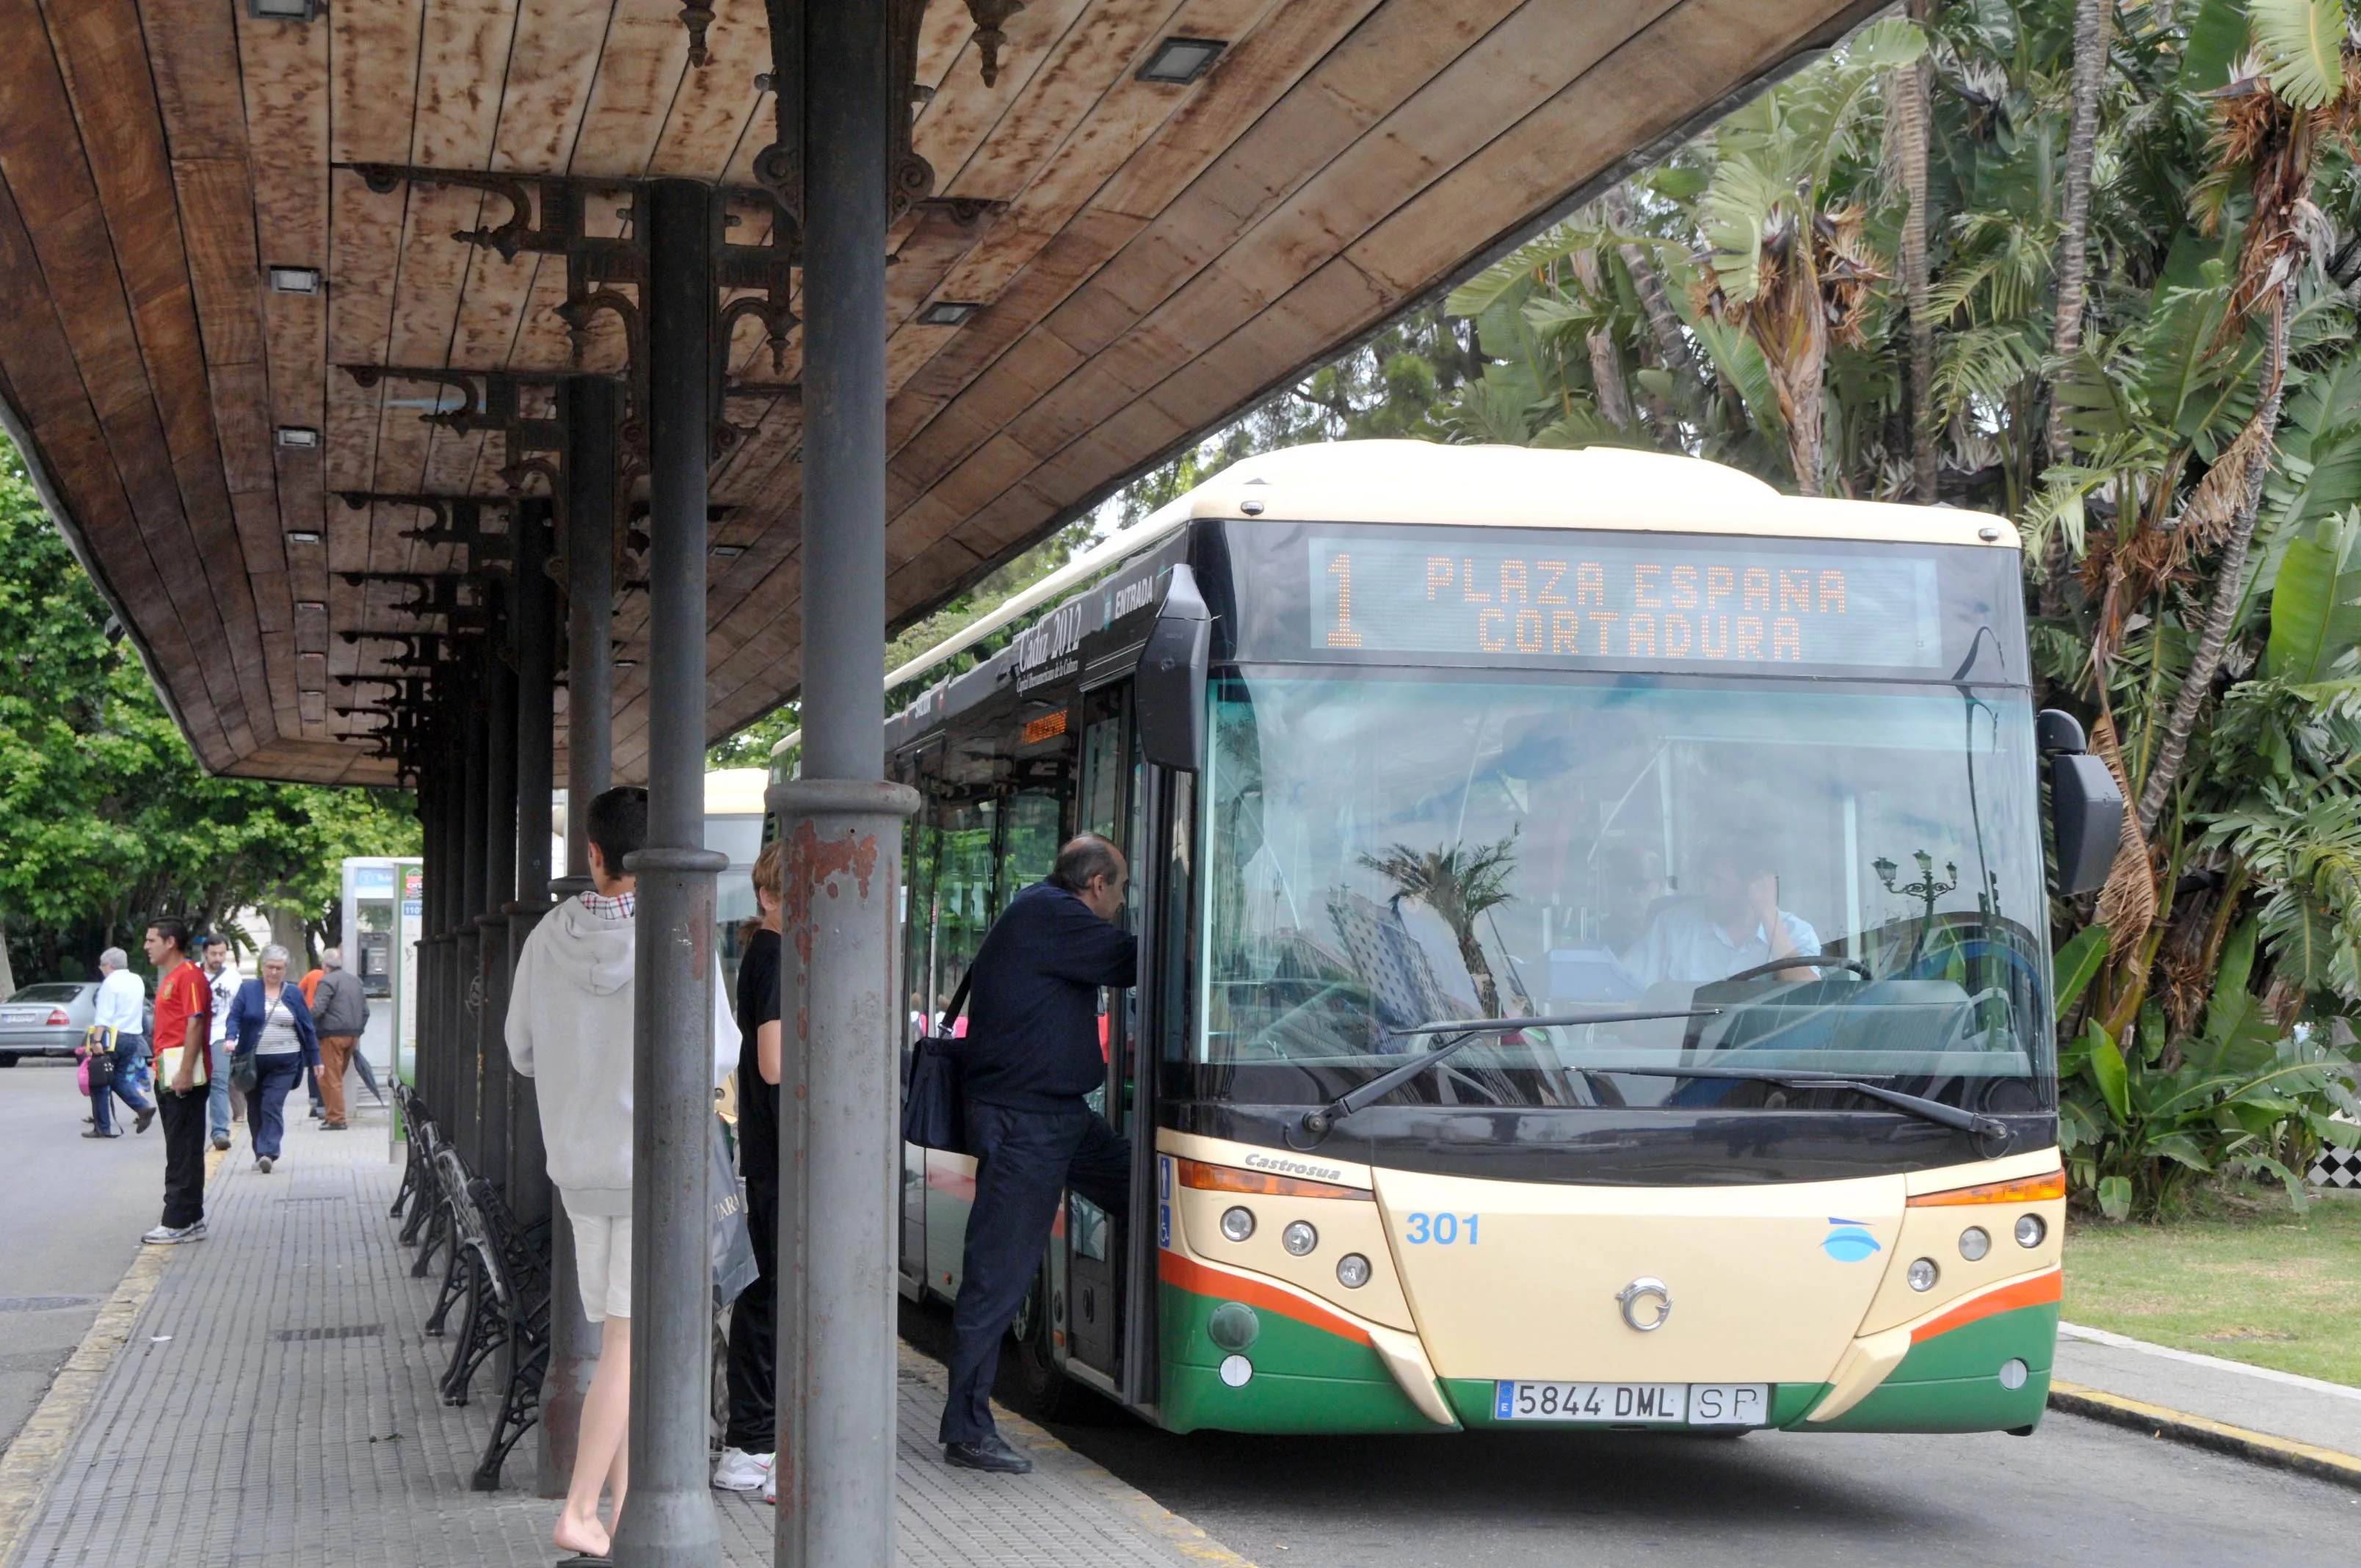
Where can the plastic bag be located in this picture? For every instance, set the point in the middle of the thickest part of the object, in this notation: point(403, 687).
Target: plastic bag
point(734, 1265)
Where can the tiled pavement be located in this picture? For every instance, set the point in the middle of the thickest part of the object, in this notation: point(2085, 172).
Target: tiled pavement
point(233, 1431)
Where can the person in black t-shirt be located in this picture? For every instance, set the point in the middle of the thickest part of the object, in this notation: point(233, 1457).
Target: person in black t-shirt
point(747, 1444)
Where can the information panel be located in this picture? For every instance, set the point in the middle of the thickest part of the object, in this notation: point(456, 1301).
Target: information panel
point(1655, 601)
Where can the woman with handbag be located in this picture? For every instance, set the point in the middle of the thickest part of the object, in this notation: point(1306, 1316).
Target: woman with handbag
point(275, 1041)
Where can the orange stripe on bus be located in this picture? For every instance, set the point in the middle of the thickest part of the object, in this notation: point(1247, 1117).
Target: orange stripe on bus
point(1190, 1275)
point(2037, 1291)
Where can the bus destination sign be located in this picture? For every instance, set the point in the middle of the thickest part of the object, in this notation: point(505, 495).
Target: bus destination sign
point(1665, 601)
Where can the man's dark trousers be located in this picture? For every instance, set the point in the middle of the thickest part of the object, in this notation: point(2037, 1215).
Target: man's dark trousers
point(754, 1417)
point(185, 1135)
point(1024, 1159)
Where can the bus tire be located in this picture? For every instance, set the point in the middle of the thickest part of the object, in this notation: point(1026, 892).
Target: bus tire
point(7, 1059)
point(1042, 1392)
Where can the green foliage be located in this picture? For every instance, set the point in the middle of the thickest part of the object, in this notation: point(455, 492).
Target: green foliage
point(106, 819)
point(2316, 602)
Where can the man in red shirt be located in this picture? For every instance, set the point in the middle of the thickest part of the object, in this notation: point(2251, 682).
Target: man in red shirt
point(184, 1005)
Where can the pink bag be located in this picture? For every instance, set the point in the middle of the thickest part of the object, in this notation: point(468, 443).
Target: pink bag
point(82, 1075)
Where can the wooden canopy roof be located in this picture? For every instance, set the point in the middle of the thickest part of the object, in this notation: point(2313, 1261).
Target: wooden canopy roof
point(1147, 259)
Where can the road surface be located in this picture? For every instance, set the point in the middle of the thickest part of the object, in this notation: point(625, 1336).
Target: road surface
point(71, 1211)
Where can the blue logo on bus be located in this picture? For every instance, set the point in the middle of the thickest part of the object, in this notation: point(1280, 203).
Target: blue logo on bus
point(1849, 1241)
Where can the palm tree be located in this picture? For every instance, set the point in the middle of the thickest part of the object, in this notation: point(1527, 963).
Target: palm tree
point(1458, 883)
point(1909, 106)
point(2090, 18)
point(1783, 267)
point(2302, 85)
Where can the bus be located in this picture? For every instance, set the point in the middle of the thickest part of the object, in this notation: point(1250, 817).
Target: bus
point(1594, 951)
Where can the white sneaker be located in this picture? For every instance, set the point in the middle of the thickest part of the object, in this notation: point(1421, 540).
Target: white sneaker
point(740, 1471)
point(173, 1236)
point(771, 1485)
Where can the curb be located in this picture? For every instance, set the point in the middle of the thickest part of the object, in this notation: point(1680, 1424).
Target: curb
point(2202, 1431)
point(33, 1461)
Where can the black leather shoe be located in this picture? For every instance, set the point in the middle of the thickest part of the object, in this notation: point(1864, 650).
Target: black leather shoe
point(992, 1453)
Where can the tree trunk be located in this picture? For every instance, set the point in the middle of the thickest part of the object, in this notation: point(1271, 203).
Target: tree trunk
point(2229, 586)
point(2090, 18)
point(287, 930)
point(1649, 285)
point(7, 971)
point(1606, 362)
point(1912, 104)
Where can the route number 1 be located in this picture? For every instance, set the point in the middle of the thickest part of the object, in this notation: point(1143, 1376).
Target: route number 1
point(1344, 636)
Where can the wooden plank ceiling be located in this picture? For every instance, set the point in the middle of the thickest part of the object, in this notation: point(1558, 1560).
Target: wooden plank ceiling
point(1156, 258)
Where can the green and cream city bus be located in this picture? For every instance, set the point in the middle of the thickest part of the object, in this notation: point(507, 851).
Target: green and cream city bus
point(1593, 954)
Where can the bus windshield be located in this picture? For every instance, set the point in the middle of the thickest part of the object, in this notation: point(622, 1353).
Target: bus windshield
point(1826, 878)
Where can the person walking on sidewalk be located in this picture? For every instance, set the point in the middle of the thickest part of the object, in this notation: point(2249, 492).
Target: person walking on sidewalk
point(220, 975)
point(273, 1032)
point(569, 1029)
point(118, 1009)
point(340, 1010)
point(1033, 1054)
point(749, 1442)
point(184, 1005)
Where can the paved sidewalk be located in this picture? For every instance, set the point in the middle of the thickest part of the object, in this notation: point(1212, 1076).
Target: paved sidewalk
point(275, 1405)
point(2302, 1423)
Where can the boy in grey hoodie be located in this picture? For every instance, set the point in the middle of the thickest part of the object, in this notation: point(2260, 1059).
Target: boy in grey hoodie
point(569, 1029)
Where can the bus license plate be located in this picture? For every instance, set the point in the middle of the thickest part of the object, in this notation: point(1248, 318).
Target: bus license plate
point(1662, 1404)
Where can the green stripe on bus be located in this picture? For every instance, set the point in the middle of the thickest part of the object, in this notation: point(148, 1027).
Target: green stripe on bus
point(1952, 1383)
point(1304, 1379)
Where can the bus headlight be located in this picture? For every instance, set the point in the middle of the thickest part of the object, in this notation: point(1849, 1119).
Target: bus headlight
point(2030, 1230)
point(1299, 1238)
point(1974, 1242)
point(1238, 1223)
point(1352, 1271)
point(1923, 1275)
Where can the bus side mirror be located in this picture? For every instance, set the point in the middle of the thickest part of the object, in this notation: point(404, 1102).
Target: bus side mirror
point(2086, 809)
point(1169, 692)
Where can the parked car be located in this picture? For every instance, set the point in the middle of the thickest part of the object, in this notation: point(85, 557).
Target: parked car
point(48, 1020)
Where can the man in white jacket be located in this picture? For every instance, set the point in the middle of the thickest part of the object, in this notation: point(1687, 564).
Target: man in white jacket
point(569, 1029)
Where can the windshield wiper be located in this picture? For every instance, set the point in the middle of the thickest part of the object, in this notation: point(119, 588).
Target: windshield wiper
point(1317, 1123)
point(1918, 1105)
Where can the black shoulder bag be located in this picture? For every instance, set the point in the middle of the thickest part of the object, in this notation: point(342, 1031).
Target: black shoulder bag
point(932, 1113)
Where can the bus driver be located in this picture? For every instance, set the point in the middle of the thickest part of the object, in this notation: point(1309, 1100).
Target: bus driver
point(1734, 925)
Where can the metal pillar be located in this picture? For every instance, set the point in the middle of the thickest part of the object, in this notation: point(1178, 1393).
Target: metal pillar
point(670, 1521)
point(491, 1160)
point(467, 968)
point(840, 1151)
point(535, 613)
point(588, 407)
point(432, 872)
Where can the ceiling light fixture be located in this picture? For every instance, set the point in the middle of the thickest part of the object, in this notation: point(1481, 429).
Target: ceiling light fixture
point(284, 10)
point(948, 313)
point(1179, 62)
point(728, 552)
point(627, 663)
point(294, 279)
point(302, 536)
point(298, 435)
point(320, 605)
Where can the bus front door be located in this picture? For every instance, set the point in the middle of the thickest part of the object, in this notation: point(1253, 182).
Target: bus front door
point(1110, 799)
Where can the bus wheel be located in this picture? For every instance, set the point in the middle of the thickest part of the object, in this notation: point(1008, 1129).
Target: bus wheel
point(1043, 1393)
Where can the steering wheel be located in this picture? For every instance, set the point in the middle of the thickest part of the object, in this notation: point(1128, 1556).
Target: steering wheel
point(1803, 960)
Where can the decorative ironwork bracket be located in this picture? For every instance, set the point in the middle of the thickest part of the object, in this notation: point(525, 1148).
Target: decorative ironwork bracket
point(459, 519)
point(909, 178)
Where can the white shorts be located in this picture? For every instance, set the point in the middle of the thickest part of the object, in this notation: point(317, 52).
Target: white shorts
point(602, 1261)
